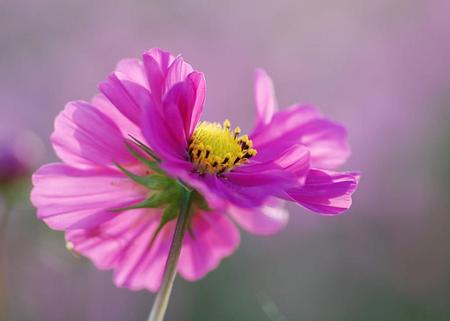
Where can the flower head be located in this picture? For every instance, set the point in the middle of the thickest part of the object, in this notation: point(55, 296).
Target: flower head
point(125, 154)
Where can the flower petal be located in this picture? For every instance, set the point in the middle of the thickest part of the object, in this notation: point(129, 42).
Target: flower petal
point(199, 84)
point(287, 167)
point(213, 237)
point(326, 192)
point(143, 262)
point(126, 94)
point(70, 198)
point(163, 58)
point(239, 195)
point(163, 70)
point(177, 72)
point(125, 125)
point(85, 137)
point(169, 128)
point(284, 121)
point(134, 71)
point(265, 220)
point(326, 140)
point(264, 95)
point(178, 106)
point(124, 244)
point(165, 142)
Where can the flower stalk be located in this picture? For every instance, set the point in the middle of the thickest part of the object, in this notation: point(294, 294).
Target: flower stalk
point(162, 298)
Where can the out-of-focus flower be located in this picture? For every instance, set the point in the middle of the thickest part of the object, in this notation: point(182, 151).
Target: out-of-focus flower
point(19, 154)
point(116, 193)
point(10, 166)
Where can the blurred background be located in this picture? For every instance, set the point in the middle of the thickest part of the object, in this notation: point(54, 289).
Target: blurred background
point(382, 68)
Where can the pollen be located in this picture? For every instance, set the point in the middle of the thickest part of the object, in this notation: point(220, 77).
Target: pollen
point(216, 149)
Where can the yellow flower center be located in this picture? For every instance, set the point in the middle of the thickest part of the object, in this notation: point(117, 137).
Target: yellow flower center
point(216, 149)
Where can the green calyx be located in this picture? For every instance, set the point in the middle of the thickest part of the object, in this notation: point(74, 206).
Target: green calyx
point(165, 192)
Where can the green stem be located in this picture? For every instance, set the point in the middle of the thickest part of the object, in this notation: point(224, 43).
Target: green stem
point(162, 299)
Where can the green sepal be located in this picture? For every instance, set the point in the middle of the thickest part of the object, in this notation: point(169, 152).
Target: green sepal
point(200, 202)
point(190, 230)
point(152, 164)
point(155, 201)
point(153, 182)
point(159, 182)
point(142, 180)
point(145, 148)
point(170, 213)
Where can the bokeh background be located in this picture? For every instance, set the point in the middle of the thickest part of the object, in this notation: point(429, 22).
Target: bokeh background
point(382, 68)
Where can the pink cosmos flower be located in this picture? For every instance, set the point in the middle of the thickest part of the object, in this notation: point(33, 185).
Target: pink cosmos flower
point(117, 207)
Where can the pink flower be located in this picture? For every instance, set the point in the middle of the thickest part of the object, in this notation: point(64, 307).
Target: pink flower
point(104, 193)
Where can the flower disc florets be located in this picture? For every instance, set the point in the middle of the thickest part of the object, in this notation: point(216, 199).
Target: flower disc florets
point(216, 149)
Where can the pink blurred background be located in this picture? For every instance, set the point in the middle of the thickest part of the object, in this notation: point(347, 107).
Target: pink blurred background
point(382, 68)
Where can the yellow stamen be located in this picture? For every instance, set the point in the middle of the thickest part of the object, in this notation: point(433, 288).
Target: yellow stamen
point(216, 149)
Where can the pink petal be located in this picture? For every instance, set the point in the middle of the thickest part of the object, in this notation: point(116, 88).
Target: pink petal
point(177, 110)
point(70, 198)
point(163, 71)
point(125, 125)
point(326, 140)
point(167, 129)
point(264, 95)
point(143, 263)
point(163, 58)
point(177, 72)
point(134, 70)
point(284, 121)
point(288, 167)
point(127, 95)
point(273, 177)
point(265, 220)
point(183, 105)
point(124, 244)
point(169, 145)
point(155, 76)
point(85, 137)
point(199, 83)
point(326, 192)
point(213, 238)
point(239, 195)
